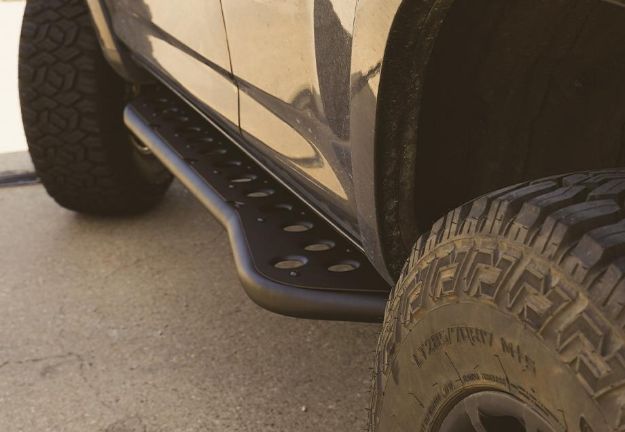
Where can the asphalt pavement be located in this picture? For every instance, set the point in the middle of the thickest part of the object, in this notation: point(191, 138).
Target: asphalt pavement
point(140, 324)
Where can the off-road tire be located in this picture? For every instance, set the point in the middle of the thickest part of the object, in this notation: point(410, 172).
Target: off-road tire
point(521, 291)
point(72, 108)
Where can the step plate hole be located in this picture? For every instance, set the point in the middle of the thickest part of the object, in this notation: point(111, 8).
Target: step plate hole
point(320, 246)
point(261, 193)
point(246, 178)
point(231, 163)
point(298, 227)
point(344, 266)
point(290, 262)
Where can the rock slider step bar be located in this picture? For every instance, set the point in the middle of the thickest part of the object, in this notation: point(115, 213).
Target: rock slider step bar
point(289, 259)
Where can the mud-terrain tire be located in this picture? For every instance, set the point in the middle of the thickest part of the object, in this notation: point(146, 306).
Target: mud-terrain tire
point(519, 296)
point(72, 108)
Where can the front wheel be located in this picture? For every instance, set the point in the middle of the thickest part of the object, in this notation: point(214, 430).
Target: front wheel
point(509, 315)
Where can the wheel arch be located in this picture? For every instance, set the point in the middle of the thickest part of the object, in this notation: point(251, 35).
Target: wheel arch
point(384, 31)
point(384, 132)
point(117, 56)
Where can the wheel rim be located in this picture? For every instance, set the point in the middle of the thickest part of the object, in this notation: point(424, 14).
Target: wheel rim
point(491, 411)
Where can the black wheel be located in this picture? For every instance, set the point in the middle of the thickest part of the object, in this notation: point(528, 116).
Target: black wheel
point(72, 108)
point(509, 315)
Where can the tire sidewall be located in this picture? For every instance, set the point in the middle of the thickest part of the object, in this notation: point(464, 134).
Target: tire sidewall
point(454, 345)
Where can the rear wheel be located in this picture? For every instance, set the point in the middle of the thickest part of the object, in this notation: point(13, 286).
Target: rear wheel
point(509, 315)
point(72, 107)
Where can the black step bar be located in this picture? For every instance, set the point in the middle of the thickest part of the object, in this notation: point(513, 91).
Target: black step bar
point(289, 259)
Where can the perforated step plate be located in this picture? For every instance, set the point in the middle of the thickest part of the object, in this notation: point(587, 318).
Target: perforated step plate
point(290, 260)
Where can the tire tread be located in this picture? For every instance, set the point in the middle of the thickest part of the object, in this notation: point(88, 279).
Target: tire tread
point(570, 230)
point(72, 105)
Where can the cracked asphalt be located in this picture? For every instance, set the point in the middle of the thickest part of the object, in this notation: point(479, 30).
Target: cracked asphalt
point(140, 324)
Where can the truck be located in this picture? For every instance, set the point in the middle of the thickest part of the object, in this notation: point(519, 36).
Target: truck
point(449, 168)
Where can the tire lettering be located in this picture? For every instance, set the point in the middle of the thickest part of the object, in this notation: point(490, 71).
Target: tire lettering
point(473, 336)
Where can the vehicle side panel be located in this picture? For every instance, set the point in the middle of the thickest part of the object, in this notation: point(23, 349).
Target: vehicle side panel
point(292, 60)
point(186, 43)
point(309, 75)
